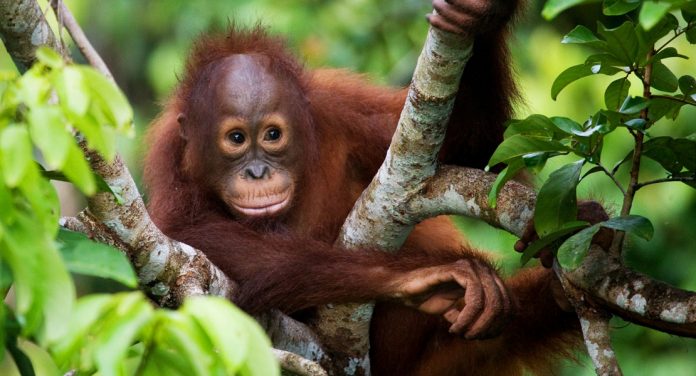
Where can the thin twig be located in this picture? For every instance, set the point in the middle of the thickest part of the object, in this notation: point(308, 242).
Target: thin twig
point(64, 16)
point(685, 101)
point(665, 180)
point(613, 178)
point(675, 36)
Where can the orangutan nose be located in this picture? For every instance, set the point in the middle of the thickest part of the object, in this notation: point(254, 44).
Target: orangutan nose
point(257, 171)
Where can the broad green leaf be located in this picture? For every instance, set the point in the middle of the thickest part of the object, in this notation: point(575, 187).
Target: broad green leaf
point(557, 201)
point(660, 107)
point(566, 125)
point(535, 125)
point(183, 334)
point(672, 154)
point(691, 35)
point(43, 199)
point(619, 7)
point(72, 91)
point(49, 57)
point(637, 124)
point(573, 251)
point(99, 138)
point(663, 78)
point(687, 85)
point(124, 324)
point(40, 359)
point(633, 224)
point(48, 131)
point(110, 97)
point(78, 171)
point(33, 87)
point(86, 317)
point(616, 93)
point(504, 176)
point(15, 153)
point(622, 42)
point(633, 105)
point(552, 8)
point(47, 300)
point(547, 240)
point(260, 360)
point(84, 256)
point(577, 72)
point(667, 53)
point(519, 145)
point(232, 343)
point(582, 35)
point(688, 15)
point(652, 12)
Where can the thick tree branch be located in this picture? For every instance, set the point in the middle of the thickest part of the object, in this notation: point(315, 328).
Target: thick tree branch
point(297, 364)
point(23, 29)
point(381, 217)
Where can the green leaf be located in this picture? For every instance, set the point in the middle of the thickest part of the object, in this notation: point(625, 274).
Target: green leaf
point(633, 224)
point(78, 171)
point(672, 154)
point(213, 313)
point(43, 199)
point(557, 201)
point(616, 93)
point(72, 91)
point(90, 311)
point(519, 145)
point(660, 107)
point(124, 324)
point(633, 105)
point(667, 53)
point(663, 78)
point(687, 85)
point(651, 13)
point(49, 57)
point(552, 8)
point(619, 7)
point(547, 240)
point(48, 131)
point(40, 359)
point(535, 125)
point(566, 125)
point(15, 154)
point(691, 35)
point(45, 302)
point(111, 99)
point(503, 177)
point(577, 72)
point(582, 35)
point(84, 256)
point(574, 250)
point(186, 338)
point(622, 42)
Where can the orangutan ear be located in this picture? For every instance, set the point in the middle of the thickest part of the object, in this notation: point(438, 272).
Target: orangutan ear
point(183, 132)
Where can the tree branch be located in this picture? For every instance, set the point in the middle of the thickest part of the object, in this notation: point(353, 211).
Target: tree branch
point(23, 29)
point(297, 364)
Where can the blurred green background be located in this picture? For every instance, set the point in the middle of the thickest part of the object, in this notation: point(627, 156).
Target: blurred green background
point(145, 42)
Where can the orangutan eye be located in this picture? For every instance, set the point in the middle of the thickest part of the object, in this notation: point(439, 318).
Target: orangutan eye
point(237, 137)
point(273, 134)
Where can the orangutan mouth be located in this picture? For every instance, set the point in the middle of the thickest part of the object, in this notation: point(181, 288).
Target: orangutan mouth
point(262, 205)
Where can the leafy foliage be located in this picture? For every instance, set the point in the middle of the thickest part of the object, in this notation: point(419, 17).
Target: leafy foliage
point(637, 49)
point(41, 113)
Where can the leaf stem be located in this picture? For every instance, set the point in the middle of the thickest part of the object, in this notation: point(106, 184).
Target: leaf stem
point(613, 178)
point(617, 244)
point(665, 180)
point(685, 101)
point(676, 35)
